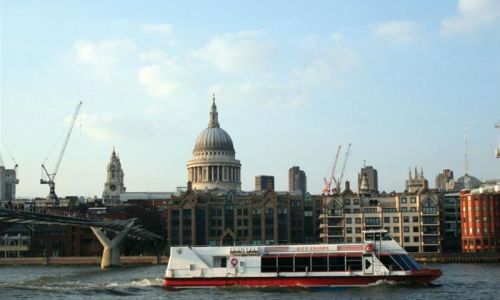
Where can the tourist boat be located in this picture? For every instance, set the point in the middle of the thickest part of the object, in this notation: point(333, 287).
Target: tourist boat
point(378, 259)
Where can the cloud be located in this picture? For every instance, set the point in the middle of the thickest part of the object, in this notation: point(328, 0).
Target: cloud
point(269, 93)
point(330, 67)
point(471, 15)
point(398, 31)
point(158, 81)
point(103, 57)
point(100, 127)
point(241, 52)
point(111, 126)
point(158, 28)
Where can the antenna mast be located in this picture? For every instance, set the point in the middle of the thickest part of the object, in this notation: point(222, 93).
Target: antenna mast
point(466, 162)
point(497, 150)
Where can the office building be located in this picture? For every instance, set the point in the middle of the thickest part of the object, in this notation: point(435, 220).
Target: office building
point(297, 180)
point(264, 182)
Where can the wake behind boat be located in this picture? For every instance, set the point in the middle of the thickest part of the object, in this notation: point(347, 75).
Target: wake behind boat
point(320, 265)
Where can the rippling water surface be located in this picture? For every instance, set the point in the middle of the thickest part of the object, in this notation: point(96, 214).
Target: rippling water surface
point(459, 281)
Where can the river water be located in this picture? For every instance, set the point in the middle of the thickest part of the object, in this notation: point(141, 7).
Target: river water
point(459, 281)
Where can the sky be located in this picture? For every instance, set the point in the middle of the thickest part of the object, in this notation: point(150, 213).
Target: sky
point(292, 80)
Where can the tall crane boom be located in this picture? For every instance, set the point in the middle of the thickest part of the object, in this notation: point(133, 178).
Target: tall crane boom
point(51, 176)
point(63, 149)
point(328, 183)
point(339, 183)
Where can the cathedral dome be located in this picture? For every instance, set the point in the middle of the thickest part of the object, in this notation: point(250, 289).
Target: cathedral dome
point(214, 165)
point(213, 139)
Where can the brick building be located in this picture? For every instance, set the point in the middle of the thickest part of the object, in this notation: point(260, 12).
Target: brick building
point(481, 218)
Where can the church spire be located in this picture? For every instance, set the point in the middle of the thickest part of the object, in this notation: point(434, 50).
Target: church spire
point(214, 116)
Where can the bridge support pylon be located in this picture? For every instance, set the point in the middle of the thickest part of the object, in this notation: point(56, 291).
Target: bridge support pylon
point(111, 252)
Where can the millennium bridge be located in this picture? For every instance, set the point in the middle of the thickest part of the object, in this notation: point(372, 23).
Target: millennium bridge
point(111, 252)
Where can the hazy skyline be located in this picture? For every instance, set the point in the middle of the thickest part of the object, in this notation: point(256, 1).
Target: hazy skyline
point(292, 81)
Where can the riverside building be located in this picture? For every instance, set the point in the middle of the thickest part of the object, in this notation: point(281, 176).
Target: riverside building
point(481, 218)
point(412, 217)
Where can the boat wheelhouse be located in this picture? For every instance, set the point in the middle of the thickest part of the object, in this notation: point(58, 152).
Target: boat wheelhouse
point(320, 265)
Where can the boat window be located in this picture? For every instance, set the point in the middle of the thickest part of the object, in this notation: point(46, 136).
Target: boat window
point(401, 262)
point(285, 264)
point(354, 263)
point(220, 261)
point(411, 262)
point(372, 236)
point(337, 263)
point(268, 264)
point(386, 236)
point(389, 263)
point(319, 264)
point(302, 263)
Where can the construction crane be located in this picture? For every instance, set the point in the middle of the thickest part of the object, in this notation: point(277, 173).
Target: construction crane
point(497, 150)
point(341, 177)
point(49, 178)
point(328, 183)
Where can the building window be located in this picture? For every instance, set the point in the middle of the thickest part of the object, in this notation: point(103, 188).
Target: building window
point(404, 209)
point(429, 207)
point(388, 229)
point(407, 239)
point(347, 201)
point(387, 219)
point(406, 219)
point(372, 221)
point(403, 200)
point(413, 200)
point(395, 219)
point(357, 229)
point(348, 220)
point(349, 240)
point(396, 238)
point(348, 230)
point(413, 209)
point(406, 229)
point(415, 228)
point(356, 201)
point(415, 219)
point(347, 210)
point(357, 220)
point(396, 229)
point(358, 240)
point(415, 239)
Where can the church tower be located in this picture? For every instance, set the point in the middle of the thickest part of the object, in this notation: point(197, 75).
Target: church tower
point(114, 181)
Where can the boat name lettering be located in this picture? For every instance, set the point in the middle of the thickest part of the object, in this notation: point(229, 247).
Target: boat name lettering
point(312, 248)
